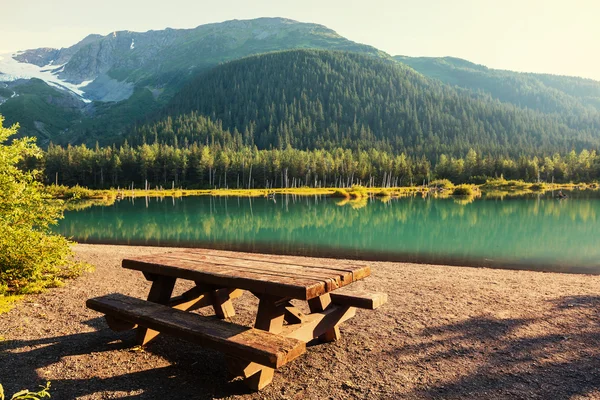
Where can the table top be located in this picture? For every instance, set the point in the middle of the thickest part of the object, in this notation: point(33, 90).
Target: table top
point(281, 276)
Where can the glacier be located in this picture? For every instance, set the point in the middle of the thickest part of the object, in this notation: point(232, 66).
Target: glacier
point(11, 70)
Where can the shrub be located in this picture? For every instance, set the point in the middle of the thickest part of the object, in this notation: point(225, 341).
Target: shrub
point(69, 193)
point(441, 183)
point(463, 190)
point(358, 191)
point(538, 187)
point(383, 193)
point(340, 193)
point(26, 394)
point(31, 256)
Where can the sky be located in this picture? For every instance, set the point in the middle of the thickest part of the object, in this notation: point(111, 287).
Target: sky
point(549, 36)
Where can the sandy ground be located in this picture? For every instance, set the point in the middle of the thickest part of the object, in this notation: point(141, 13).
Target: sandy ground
point(446, 333)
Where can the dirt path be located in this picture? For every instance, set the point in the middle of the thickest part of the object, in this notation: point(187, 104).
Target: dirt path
point(447, 332)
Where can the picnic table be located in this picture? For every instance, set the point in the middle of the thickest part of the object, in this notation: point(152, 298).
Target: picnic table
point(280, 331)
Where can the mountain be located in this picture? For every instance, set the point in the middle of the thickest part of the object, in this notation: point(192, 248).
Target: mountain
point(40, 109)
point(546, 93)
point(117, 70)
point(310, 99)
point(108, 88)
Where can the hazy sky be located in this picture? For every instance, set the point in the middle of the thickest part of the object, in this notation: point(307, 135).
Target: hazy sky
point(553, 36)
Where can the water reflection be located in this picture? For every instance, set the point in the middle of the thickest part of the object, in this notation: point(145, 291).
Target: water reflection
point(536, 232)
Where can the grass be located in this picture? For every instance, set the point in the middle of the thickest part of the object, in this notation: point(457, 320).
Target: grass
point(8, 298)
point(7, 302)
point(439, 188)
point(500, 188)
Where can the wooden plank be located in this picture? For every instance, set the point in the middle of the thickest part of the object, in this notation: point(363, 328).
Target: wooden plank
point(319, 304)
point(293, 315)
point(187, 303)
point(275, 275)
point(332, 335)
point(324, 264)
point(160, 293)
point(256, 282)
point(222, 304)
point(270, 316)
point(246, 268)
point(239, 341)
point(264, 264)
point(318, 324)
point(359, 299)
point(332, 278)
point(260, 379)
point(118, 325)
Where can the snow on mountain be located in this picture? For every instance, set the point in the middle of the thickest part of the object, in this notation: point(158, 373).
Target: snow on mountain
point(3, 100)
point(11, 69)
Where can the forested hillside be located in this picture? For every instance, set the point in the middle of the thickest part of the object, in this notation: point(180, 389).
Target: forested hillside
point(570, 97)
point(311, 99)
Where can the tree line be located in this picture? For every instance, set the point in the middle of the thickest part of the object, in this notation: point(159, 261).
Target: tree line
point(214, 166)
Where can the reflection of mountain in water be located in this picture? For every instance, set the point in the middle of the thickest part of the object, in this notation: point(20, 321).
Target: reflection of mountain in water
point(544, 231)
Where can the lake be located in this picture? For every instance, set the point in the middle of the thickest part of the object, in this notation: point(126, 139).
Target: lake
point(536, 232)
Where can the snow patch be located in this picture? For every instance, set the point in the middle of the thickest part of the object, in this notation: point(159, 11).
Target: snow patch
point(12, 70)
point(2, 101)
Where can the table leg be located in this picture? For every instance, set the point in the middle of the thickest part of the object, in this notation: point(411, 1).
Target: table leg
point(319, 304)
point(221, 301)
point(270, 316)
point(160, 292)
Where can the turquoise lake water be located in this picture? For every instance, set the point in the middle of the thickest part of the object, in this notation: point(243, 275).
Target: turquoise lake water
point(535, 232)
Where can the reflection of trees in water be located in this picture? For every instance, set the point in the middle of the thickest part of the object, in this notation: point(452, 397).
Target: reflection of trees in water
point(532, 227)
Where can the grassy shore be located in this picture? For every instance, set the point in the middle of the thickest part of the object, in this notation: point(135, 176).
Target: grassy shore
point(438, 188)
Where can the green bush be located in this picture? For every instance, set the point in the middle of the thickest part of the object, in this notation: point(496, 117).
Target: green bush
point(441, 183)
point(358, 192)
point(26, 394)
point(383, 193)
point(340, 193)
point(31, 256)
point(538, 187)
point(463, 190)
point(70, 193)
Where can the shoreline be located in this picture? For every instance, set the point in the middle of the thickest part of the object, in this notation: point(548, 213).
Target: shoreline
point(493, 188)
point(365, 256)
point(446, 332)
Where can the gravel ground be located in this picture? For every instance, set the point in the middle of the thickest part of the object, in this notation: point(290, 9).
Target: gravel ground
point(446, 333)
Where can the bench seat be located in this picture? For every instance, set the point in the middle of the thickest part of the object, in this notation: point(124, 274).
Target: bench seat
point(358, 299)
point(235, 340)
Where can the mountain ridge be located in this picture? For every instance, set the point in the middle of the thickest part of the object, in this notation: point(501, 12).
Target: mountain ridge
point(544, 92)
point(124, 63)
point(122, 79)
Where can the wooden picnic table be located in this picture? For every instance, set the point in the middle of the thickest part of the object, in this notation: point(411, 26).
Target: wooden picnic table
point(280, 330)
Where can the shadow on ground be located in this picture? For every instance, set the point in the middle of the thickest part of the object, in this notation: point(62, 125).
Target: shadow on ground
point(517, 358)
point(555, 355)
point(193, 372)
